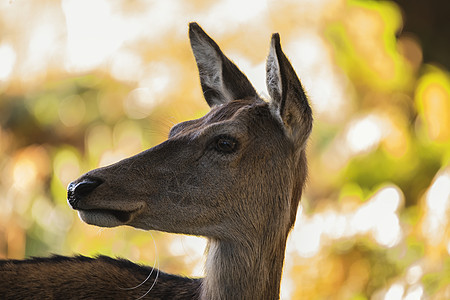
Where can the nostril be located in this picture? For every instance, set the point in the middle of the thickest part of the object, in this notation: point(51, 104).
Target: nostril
point(85, 187)
point(78, 190)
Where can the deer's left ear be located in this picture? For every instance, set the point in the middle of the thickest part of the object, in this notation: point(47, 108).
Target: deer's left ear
point(221, 80)
point(289, 100)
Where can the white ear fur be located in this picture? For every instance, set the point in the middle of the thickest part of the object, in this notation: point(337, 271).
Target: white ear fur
point(210, 70)
point(289, 102)
point(273, 77)
point(221, 80)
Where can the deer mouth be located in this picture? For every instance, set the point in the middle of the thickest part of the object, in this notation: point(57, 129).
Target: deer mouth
point(107, 217)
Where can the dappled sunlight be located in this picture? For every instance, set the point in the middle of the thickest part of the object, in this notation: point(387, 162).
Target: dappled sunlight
point(378, 217)
point(72, 110)
point(84, 84)
point(326, 86)
point(123, 141)
point(154, 83)
point(41, 50)
point(7, 60)
point(365, 134)
point(191, 249)
point(90, 41)
point(98, 142)
point(397, 291)
point(218, 13)
point(24, 174)
point(436, 222)
point(30, 168)
point(126, 66)
point(433, 102)
point(66, 166)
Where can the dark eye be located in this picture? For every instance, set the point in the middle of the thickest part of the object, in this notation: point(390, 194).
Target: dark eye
point(225, 144)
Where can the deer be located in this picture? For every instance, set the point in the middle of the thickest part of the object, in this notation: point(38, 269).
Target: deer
point(234, 176)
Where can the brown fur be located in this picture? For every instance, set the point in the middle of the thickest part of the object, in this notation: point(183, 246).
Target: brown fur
point(81, 277)
point(234, 176)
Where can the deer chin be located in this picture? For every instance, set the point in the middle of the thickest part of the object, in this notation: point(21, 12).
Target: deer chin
point(107, 217)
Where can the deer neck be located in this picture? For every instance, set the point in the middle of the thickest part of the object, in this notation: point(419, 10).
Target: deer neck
point(237, 271)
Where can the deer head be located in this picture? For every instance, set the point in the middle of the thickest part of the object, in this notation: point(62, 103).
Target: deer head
point(234, 175)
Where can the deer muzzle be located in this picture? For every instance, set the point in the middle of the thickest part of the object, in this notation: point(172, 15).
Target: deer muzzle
point(81, 196)
point(79, 190)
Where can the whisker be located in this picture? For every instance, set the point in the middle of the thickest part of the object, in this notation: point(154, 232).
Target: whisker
point(153, 284)
point(156, 262)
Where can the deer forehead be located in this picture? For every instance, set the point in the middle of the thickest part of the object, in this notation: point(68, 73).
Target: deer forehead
point(238, 118)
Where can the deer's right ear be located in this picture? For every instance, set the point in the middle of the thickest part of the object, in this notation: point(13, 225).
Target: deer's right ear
point(220, 79)
point(289, 100)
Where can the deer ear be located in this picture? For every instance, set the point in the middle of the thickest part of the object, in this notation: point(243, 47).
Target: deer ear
point(289, 100)
point(220, 79)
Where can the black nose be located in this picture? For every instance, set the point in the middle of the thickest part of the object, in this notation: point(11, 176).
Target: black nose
point(78, 190)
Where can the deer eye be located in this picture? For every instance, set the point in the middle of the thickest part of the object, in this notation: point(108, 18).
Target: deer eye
point(225, 144)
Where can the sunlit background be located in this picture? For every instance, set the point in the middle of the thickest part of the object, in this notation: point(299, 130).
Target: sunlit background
point(86, 83)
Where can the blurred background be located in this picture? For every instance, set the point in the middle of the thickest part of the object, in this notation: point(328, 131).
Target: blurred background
point(86, 83)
